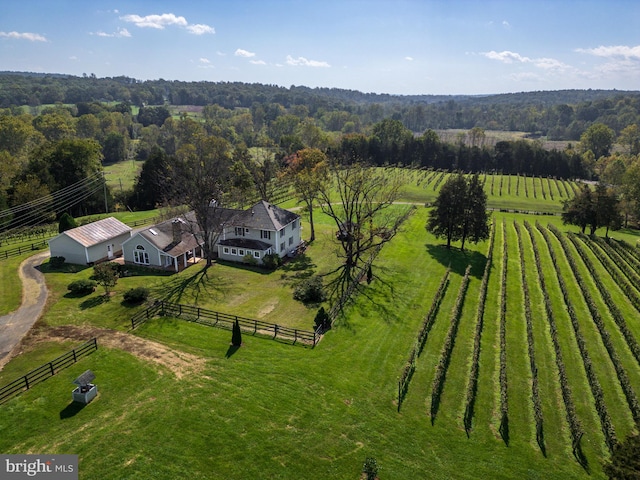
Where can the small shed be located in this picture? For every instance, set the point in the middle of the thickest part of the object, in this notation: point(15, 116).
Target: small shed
point(91, 243)
point(85, 391)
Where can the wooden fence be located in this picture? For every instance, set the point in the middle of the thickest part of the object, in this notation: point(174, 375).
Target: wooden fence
point(47, 370)
point(14, 252)
point(212, 318)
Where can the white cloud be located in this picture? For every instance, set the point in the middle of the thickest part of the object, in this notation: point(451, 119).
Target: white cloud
point(506, 25)
point(221, 54)
point(613, 51)
point(73, 57)
point(409, 59)
point(122, 32)
point(506, 56)
point(550, 64)
point(204, 60)
point(200, 29)
point(159, 22)
point(244, 53)
point(155, 21)
point(301, 61)
point(33, 37)
point(258, 62)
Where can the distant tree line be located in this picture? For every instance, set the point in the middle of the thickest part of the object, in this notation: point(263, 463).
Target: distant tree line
point(558, 115)
point(57, 147)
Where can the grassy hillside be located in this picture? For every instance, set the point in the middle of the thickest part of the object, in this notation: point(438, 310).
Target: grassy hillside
point(182, 404)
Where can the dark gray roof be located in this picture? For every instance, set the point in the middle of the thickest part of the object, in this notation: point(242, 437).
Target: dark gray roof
point(264, 216)
point(241, 242)
point(96, 232)
point(161, 235)
point(85, 379)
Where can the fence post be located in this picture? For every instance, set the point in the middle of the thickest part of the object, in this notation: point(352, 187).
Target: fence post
point(26, 382)
point(295, 336)
point(275, 330)
point(255, 326)
point(51, 368)
point(74, 356)
point(95, 343)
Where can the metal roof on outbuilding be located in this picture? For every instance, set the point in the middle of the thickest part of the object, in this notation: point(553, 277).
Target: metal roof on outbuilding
point(97, 232)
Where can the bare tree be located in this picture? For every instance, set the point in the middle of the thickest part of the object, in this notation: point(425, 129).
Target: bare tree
point(358, 201)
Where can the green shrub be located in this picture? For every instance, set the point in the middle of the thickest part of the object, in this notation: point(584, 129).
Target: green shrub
point(136, 295)
point(272, 261)
point(249, 259)
point(370, 468)
point(67, 222)
point(322, 319)
point(310, 290)
point(56, 262)
point(82, 287)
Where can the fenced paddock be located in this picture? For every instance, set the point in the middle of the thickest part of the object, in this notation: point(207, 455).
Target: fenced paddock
point(213, 318)
point(47, 370)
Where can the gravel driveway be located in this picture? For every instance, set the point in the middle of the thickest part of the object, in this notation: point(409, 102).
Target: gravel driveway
point(15, 325)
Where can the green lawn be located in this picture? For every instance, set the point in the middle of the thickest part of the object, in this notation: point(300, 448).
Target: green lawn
point(122, 176)
point(271, 410)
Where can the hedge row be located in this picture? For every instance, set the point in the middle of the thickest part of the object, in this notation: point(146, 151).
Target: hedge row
point(572, 418)
point(594, 384)
point(445, 356)
point(622, 263)
point(472, 386)
point(629, 393)
point(504, 399)
point(427, 323)
point(627, 289)
point(535, 390)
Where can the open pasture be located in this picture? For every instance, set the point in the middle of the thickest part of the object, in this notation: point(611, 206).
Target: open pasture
point(292, 410)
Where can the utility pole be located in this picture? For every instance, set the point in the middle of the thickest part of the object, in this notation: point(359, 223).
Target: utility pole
point(104, 185)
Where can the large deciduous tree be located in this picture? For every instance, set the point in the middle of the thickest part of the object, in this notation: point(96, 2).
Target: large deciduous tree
point(460, 211)
point(599, 139)
point(358, 201)
point(308, 169)
point(202, 182)
point(593, 209)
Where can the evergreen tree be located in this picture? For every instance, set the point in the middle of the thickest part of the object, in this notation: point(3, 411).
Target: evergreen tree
point(460, 211)
point(236, 336)
point(67, 222)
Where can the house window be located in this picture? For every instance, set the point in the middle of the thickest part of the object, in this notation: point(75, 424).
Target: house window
point(290, 241)
point(140, 256)
point(282, 246)
point(294, 224)
point(256, 254)
point(234, 251)
point(225, 250)
point(265, 234)
point(239, 231)
point(241, 252)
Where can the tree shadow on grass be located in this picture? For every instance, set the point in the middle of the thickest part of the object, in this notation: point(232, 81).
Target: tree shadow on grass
point(196, 283)
point(93, 302)
point(71, 410)
point(231, 350)
point(458, 260)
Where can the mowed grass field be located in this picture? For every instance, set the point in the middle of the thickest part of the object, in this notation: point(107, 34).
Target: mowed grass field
point(183, 405)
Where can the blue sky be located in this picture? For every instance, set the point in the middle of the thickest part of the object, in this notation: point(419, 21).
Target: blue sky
point(397, 47)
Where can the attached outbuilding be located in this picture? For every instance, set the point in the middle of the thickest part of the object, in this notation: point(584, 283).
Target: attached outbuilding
point(171, 245)
point(91, 243)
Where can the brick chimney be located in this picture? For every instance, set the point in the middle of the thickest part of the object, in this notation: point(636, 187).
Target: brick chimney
point(176, 229)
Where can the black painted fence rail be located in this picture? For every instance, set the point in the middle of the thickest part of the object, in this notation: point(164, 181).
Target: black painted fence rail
point(224, 320)
point(47, 370)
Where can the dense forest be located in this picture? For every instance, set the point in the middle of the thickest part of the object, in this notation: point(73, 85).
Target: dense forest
point(58, 131)
point(558, 115)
